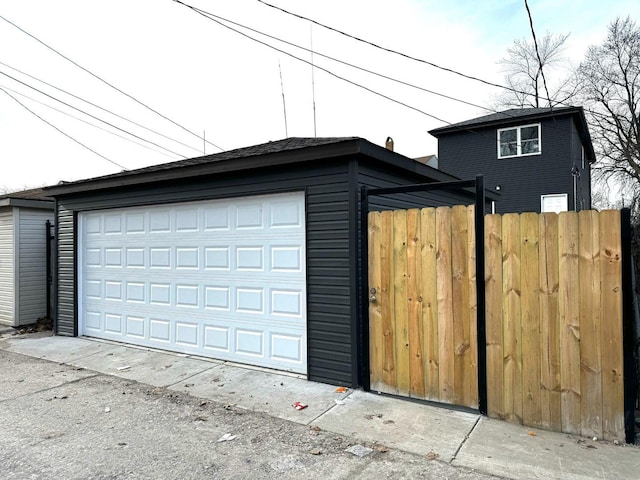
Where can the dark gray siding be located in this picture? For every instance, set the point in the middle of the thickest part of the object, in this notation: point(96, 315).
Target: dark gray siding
point(583, 182)
point(66, 287)
point(328, 251)
point(522, 179)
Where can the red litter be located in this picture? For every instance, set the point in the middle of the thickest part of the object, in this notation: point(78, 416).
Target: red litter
point(299, 405)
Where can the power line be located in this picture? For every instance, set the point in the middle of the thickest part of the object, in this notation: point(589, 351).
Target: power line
point(535, 43)
point(370, 90)
point(99, 107)
point(410, 57)
point(337, 60)
point(426, 62)
point(219, 20)
point(395, 52)
point(89, 115)
point(63, 133)
point(108, 84)
point(85, 122)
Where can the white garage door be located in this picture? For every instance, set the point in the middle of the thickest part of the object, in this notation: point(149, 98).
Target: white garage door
point(223, 279)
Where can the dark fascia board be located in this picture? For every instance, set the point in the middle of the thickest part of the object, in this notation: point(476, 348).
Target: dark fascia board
point(25, 203)
point(288, 157)
point(348, 147)
point(576, 112)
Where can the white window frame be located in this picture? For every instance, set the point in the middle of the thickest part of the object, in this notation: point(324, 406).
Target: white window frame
point(563, 196)
point(518, 129)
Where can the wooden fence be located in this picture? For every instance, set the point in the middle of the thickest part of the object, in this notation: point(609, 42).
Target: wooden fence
point(423, 320)
point(553, 314)
point(554, 321)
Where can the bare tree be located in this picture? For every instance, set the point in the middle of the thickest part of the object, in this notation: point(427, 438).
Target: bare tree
point(610, 81)
point(523, 73)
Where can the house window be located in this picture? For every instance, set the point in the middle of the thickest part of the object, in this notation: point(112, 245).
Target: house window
point(519, 141)
point(557, 203)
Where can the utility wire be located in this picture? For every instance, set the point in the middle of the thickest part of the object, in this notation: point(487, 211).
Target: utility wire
point(535, 43)
point(63, 133)
point(89, 115)
point(426, 62)
point(85, 122)
point(395, 52)
point(109, 84)
point(99, 107)
point(337, 60)
point(218, 19)
point(370, 90)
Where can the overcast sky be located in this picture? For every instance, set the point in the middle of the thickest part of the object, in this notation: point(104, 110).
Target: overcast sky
point(209, 79)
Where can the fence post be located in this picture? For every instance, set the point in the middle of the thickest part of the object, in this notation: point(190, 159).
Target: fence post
point(629, 334)
point(480, 297)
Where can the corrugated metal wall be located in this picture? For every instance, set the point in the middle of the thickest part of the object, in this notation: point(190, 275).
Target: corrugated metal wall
point(31, 265)
point(7, 284)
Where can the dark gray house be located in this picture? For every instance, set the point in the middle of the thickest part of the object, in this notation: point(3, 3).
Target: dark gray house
point(250, 255)
point(538, 159)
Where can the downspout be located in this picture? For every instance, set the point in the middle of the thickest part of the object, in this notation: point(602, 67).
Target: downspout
point(576, 174)
point(48, 266)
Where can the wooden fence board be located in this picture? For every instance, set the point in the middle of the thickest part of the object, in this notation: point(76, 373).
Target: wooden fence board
point(430, 303)
point(401, 314)
point(511, 291)
point(414, 282)
point(590, 336)
point(460, 304)
point(493, 316)
point(445, 306)
point(549, 328)
point(529, 231)
point(472, 372)
point(569, 321)
point(375, 311)
point(386, 299)
point(611, 326)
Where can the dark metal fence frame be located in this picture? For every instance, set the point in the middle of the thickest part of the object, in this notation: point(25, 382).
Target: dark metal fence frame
point(480, 199)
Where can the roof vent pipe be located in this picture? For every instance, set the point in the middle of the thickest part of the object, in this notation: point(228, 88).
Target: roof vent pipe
point(389, 144)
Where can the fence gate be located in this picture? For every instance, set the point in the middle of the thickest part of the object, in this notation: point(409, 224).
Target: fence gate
point(422, 300)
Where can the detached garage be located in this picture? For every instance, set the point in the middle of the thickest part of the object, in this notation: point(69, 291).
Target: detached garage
point(249, 255)
point(23, 261)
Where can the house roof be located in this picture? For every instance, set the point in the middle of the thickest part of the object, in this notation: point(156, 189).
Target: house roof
point(282, 152)
point(34, 198)
point(518, 116)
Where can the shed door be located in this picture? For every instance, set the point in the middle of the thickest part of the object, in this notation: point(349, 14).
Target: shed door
point(223, 278)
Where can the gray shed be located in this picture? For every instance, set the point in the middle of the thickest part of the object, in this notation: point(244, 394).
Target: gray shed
point(249, 255)
point(23, 246)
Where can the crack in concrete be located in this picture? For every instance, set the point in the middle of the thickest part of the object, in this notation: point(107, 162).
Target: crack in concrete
point(331, 407)
point(464, 440)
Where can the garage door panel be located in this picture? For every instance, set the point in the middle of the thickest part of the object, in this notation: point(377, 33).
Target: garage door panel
point(224, 279)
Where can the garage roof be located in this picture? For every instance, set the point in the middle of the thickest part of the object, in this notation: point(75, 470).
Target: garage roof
point(32, 198)
point(282, 152)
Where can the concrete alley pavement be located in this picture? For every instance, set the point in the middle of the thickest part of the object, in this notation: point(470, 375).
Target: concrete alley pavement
point(80, 408)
